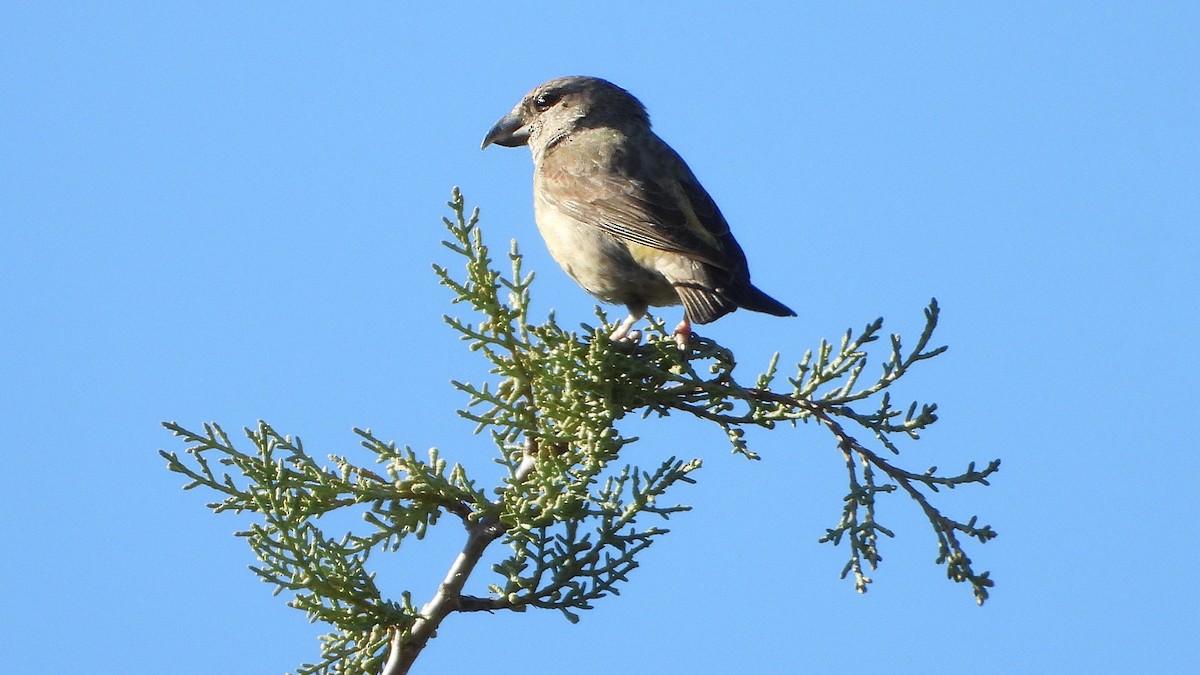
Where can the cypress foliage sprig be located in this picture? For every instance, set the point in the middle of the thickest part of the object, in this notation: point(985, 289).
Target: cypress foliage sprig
point(572, 515)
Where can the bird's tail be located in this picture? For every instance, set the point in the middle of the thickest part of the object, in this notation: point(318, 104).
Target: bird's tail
point(751, 298)
point(704, 306)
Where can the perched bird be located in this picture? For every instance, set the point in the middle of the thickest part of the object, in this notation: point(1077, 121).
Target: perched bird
point(620, 210)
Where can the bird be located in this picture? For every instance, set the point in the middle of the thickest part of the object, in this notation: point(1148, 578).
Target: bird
point(621, 212)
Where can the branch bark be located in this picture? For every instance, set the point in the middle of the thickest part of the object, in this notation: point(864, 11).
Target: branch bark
point(407, 645)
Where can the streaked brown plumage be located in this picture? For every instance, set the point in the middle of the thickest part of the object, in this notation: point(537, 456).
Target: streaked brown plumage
point(620, 210)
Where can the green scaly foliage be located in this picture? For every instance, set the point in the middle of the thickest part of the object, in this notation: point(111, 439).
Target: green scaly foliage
point(572, 515)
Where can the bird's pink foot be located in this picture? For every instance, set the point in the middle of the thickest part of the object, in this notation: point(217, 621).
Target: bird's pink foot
point(683, 333)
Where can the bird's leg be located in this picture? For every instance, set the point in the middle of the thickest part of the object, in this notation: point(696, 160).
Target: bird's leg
point(683, 333)
point(622, 331)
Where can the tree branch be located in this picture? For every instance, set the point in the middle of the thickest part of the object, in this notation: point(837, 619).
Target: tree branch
point(570, 515)
point(406, 644)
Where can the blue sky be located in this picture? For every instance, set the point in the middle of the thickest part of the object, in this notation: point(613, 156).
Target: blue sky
point(228, 211)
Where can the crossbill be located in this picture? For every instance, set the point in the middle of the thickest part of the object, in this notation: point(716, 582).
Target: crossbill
point(620, 210)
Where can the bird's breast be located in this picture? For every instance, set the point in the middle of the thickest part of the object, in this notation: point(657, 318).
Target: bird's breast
point(599, 262)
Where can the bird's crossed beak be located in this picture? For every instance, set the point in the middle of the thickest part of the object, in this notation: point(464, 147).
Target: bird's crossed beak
point(510, 132)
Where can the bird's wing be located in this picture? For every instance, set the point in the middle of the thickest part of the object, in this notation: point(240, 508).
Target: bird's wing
point(645, 195)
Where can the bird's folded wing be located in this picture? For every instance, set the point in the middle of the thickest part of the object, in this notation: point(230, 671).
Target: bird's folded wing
point(661, 205)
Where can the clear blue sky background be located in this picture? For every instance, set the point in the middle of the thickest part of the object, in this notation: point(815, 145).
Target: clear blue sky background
point(228, 211)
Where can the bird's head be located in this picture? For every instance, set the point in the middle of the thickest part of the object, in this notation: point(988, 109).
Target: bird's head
point(564, 105)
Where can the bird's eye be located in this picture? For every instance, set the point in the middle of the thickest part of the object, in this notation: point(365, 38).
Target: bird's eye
point(544, 101)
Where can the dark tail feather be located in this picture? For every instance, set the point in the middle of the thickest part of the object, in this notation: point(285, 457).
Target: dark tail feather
point(749, 297)
point(704, 306)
